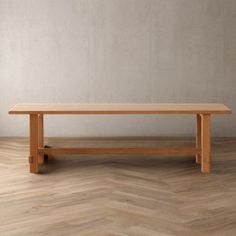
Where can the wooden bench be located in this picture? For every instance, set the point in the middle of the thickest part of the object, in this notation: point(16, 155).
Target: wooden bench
point(203, 113)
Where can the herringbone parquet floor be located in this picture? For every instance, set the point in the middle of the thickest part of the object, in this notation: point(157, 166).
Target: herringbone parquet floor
point(117, 195)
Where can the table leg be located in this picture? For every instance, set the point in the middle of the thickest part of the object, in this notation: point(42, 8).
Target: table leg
point(34, 133)
point(198, 137)
point(41, 137)
point(206, 143)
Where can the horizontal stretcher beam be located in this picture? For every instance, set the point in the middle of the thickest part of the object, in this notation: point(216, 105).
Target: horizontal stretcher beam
point(111, 150)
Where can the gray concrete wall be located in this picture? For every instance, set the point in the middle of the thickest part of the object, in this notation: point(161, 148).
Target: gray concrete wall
point(117, 51)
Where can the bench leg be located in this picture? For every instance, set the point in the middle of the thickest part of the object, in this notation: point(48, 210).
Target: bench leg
point(206, 143)
point(42, 158)
point(198, 137)
point(34, 167)
point(41, 137)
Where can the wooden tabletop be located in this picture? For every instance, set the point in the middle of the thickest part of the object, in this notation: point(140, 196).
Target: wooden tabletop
point(119, 108)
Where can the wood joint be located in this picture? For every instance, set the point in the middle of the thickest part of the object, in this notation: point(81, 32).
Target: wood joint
point(31, 159)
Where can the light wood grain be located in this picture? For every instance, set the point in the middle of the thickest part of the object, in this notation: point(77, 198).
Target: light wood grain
point(203, 112)
point(41, 137)
point(96, 195)
point(135, 108)
point(121, 150)
point(206, 143)
point(34, 134)
point(198, 137)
